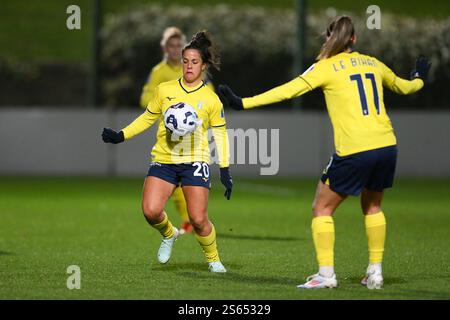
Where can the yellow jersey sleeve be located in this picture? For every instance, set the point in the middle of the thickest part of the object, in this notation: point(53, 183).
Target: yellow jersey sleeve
point(219, 130)
point(397, 84)
point(217, 115)
point(145, 120)
point(316, 75)
point(222, 145)
point(312, 78)
point(289, 90)
point(149, 88)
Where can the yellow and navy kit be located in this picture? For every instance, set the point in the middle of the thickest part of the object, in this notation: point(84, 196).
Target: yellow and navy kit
point(191, 148)
point(160, 73)
point(353, 87)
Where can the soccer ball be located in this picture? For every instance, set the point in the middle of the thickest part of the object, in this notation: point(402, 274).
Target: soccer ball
point(180, 119)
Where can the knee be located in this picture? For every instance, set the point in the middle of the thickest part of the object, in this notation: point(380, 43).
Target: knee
point(152, 212)
point(371, 209)
point(321, 210)
point(199, 222)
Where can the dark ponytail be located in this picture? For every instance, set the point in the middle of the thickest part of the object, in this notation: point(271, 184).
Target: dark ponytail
point(203, 42)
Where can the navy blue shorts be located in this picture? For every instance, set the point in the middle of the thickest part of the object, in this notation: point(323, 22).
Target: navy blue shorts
point(372, 169)
point(188, 174)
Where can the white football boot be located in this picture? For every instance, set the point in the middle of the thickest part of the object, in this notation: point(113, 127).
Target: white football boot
point(316, 281)
point(165, 249)
point(216, 266)
point(373, 278)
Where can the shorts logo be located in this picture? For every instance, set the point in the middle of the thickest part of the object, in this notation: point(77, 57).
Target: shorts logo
point(155, 164)
point(205, 179)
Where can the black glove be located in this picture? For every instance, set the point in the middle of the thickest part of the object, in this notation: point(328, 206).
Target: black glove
point(229, 99)
point(226, 180)
point(421, 70)
point(111, 136)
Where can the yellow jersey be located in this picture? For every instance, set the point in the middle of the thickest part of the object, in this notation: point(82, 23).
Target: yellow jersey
point(193, 147)
point(160, 73)
point(353, 87)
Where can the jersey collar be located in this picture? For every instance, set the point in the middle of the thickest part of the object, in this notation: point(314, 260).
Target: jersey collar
point(189, 89)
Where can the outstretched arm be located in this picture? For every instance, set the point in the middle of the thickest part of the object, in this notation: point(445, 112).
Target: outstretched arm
point(292, 89)
point(400, 85)
point(403, 86)
point(289, 90)
point(143, 122)
point(140, 124)
point(312, 78)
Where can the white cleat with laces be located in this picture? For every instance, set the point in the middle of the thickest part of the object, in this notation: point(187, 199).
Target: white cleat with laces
point(165, 249)
point(217, 267)
point(316, 281)
point(373, 279)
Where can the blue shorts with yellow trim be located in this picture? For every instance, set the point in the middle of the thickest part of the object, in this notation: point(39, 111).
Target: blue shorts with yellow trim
point(186, 174)
point(373, 170)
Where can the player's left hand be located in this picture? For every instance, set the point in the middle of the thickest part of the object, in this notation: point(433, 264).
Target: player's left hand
point(422, 67)
point(226, 180)
point(229, 98)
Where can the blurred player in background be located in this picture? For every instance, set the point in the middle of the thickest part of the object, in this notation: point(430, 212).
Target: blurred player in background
point(170, 68)
point(171, 166)
point(366, 151)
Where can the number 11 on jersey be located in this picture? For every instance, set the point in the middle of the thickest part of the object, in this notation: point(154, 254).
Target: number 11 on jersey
point(362, 93)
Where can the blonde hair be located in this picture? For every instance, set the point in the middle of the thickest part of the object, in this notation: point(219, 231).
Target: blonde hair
point(172, 32)
point(339, 37)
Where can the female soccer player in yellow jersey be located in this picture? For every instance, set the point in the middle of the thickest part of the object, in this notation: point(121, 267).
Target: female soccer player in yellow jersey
point(366, 152)
point(170, 68)
point(188, 165)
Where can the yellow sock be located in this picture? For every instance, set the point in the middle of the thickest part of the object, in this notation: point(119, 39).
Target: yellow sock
point(180, 204)
point(376, 235)
point(164, 227)
point(209, 245)
point(323, 236)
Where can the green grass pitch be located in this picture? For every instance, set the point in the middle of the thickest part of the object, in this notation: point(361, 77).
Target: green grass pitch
point(48, 224)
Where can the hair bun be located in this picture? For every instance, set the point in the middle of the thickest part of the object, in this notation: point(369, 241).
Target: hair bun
point(202, 39)
point(203, 42)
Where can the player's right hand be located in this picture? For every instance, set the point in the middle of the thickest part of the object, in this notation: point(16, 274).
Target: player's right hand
point(111, 136)
point(229, 98)
point(422, 67)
